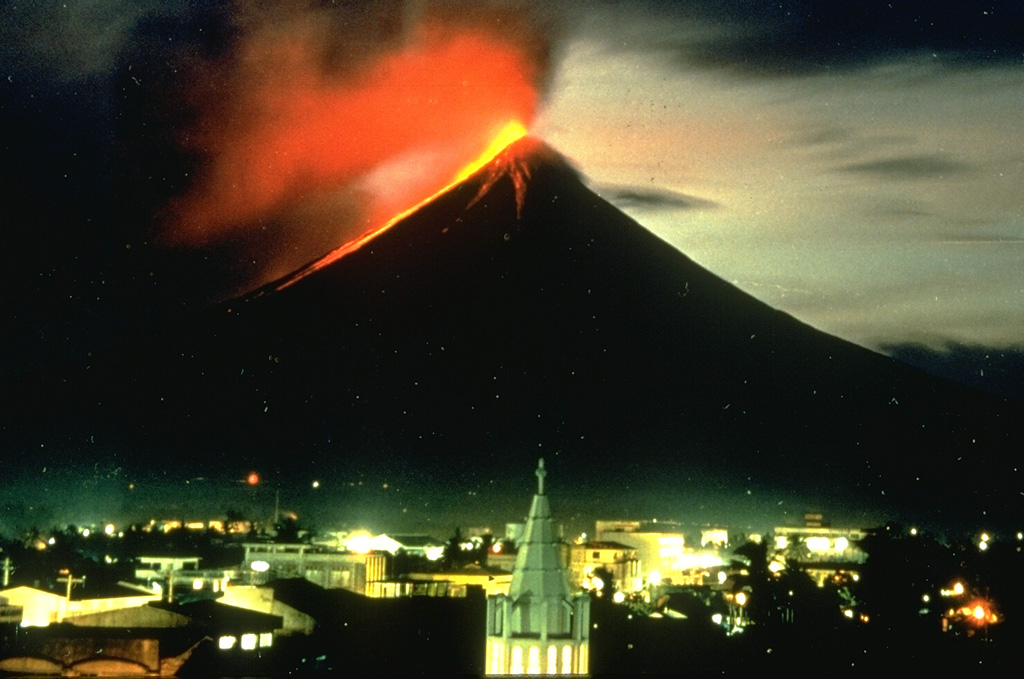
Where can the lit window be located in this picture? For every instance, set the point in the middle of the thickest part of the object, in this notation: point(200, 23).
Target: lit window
point(517, 660)
point(534, 666)
point(248, 642)
point(266, 639)
point(497, 657)
point(226, 642)
point(552, 659)
point(567, 660)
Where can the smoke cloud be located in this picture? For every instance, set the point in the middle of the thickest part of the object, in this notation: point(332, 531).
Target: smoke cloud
point(316, 124)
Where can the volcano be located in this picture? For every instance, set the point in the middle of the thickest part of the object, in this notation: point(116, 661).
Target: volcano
point(518, 314)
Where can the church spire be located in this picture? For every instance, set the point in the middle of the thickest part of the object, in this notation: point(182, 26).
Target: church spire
point(539, 626)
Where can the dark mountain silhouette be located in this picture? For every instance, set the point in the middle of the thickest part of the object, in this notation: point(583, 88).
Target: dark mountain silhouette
point(520, 314)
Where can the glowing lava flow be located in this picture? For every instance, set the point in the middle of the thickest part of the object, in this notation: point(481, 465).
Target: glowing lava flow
point(511, 132)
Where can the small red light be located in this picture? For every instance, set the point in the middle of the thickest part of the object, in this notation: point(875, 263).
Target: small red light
point(252, 479)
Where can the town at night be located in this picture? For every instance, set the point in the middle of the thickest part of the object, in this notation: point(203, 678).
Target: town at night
point(263, 595)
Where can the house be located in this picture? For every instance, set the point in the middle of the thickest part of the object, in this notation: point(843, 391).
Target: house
point(618, 560)
point(263, 599)
point(41, 607)
point(329, 569)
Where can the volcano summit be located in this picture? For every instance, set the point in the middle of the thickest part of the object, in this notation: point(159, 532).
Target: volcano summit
point(518, 313)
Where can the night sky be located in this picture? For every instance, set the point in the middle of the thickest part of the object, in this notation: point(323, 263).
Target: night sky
point(858, 168)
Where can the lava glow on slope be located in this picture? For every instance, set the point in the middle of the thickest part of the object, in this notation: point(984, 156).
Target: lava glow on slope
point(283, 130)
point(508, 134)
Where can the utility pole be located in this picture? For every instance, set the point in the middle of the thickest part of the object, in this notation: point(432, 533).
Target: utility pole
point(72, 581)
point(7, 571)
point(170, 585)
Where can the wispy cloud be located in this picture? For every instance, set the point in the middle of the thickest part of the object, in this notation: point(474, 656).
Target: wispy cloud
point(638, 198)
point(805, 37)
point(928, 166)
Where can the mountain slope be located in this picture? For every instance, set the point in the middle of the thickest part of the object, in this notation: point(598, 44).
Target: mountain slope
point(519, 314)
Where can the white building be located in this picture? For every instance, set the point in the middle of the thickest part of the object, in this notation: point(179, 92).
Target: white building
point(41, 607)
point(331, 570)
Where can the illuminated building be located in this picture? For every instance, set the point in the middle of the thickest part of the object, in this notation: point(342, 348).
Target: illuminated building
point(157, 567)
point(413, 545)
point(823, 552)
point(660, 548)
point(449, 583)
point(264, 600)
point(538, 627)
point(331, 570)
point(618, 560)
point(716, 537)
point(41, 607)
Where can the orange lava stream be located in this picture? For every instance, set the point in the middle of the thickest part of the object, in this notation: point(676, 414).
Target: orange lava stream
point(509, 133)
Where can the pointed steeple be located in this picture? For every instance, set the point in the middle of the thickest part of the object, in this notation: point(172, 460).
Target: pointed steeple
point(538, 627)
point(540, 587)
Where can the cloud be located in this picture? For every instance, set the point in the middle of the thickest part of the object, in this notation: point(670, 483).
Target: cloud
point(807, 37)
point(633, 197)
point(991, 369)
point(909, 167)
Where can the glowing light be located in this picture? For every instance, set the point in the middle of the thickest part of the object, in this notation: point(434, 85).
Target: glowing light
point(197, 584)
point(654, 578)
point(741, 598)
point(109, 529)
point(252, 479)
point(248, 642)
point(978, 612)
point(958, 588)
point(226, 642)
point(316, 484)
point(260, 566)
point(818, 544)
point(619, 597)
point(360, 542)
